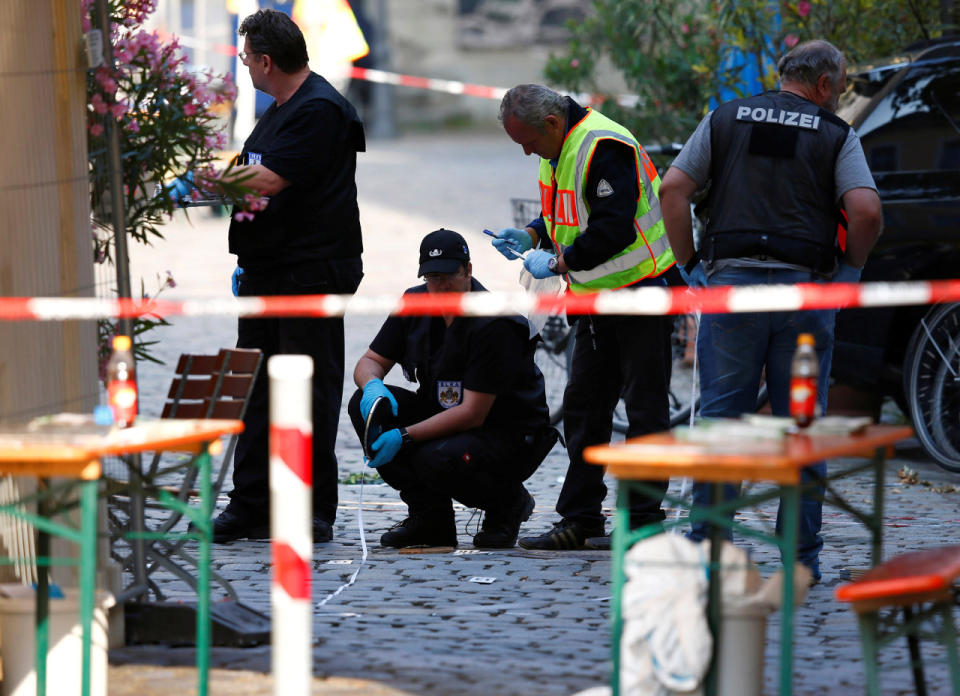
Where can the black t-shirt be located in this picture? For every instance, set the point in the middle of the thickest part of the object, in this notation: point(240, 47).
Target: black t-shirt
point(312, 141)
point(491, 355)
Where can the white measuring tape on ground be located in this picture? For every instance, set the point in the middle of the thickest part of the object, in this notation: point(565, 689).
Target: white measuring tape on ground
point(363, 546)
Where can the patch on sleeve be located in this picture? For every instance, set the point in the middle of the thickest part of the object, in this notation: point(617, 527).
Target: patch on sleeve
point(604, 189)
point(449, 394)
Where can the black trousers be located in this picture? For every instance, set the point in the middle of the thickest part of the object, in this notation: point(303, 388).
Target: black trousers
point(322, 340)
point(613, 357)
point(480, 468)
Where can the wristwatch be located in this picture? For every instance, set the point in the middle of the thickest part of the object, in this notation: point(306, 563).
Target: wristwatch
point(405, 438)
point(552, 264)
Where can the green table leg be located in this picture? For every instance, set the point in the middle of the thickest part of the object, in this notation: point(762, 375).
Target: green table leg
point(42, 606)
point(790, 502)
point(869, 638)
point(203, 573)
point(88, 573)
point(621, 528)
point(715, 593)
point(948, 636)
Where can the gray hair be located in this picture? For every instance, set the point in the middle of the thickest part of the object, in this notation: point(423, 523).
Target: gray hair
point(811, 59)
point(531, 104)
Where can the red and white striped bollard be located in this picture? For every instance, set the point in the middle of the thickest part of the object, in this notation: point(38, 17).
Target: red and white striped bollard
point(291, 514)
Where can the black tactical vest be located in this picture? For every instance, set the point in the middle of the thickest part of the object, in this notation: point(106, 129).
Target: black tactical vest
point(772, 170)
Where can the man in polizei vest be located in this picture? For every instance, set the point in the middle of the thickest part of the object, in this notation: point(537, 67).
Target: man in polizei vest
point(780, 166)
point(600, 227)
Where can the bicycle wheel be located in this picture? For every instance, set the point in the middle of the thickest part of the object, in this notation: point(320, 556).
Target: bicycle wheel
point(932, 384)
point(553, 355)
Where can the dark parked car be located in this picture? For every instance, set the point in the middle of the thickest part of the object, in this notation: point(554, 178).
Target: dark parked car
point(907, 114)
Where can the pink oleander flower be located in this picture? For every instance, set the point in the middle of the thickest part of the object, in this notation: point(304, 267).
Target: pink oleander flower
point(685, 28)
point(803, 8)
point(107, 81)
point(242, 215)
point(98, 104)
point(791, 40)
point(574, 63)
point(119, 109)
point(215, 141)
point(255, 202)
point(96, 130)
point(229, 91)
point(189, 109)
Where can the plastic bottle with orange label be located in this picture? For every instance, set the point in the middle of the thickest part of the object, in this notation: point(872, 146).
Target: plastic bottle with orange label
point(122, 383)
point(803, 381)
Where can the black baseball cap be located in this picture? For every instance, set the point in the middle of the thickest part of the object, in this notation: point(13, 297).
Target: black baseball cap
point(442, 251)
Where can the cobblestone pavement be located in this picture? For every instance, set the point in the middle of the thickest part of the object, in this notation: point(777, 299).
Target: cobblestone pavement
point(416, 622)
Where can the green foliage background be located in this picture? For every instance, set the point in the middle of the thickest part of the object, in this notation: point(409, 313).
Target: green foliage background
point(671, 52)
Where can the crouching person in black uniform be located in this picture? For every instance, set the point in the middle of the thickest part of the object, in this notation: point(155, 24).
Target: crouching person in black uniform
point(478, 425)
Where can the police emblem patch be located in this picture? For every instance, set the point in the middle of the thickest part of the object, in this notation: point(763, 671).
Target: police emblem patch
point(449, 394)
point(604, 189)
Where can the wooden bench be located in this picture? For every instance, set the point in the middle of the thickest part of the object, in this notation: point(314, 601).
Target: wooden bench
point(918, 586)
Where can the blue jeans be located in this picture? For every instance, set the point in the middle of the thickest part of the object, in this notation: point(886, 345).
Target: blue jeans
point(733, 350)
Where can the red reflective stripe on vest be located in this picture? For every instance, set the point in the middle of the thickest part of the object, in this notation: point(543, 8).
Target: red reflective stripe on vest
point(546, 202)
point(567, 208)
point(647, 165)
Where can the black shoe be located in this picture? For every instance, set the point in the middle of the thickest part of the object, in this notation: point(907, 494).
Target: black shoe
point(566, 535)
point(322, 531)
point(600, 543)
point(500, 530)
point(229, 526)
point(421, 531)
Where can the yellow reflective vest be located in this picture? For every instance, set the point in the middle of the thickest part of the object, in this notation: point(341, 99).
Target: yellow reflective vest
point(565, 210)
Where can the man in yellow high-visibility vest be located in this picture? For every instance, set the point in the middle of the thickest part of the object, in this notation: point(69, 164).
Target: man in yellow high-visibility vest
point(600, 227)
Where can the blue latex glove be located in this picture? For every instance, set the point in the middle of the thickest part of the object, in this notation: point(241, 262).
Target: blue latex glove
point(697, 278)
point(511, 242)
point(180, 187)
point(847, 274)
point(374, 389)
point(386, 448)
point(536, 263)
point(235, 281)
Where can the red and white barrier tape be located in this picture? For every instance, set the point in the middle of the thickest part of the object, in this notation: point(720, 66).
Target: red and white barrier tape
point(648, 301)
point(291, 515)
point(457, 87)
point(393, 78)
